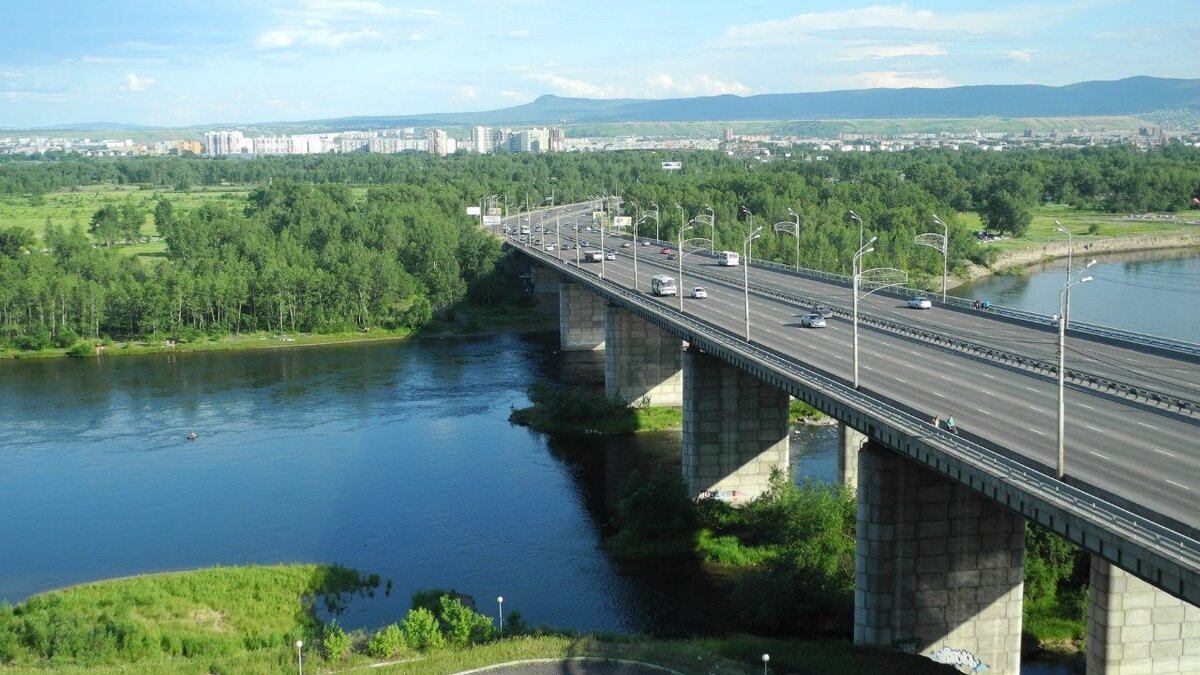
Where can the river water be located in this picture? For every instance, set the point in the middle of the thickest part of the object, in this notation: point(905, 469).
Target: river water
point(394, 458)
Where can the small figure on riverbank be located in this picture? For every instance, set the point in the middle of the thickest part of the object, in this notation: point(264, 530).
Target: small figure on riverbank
point(192, 436)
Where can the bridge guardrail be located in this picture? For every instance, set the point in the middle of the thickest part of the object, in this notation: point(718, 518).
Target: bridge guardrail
point(1149, 534)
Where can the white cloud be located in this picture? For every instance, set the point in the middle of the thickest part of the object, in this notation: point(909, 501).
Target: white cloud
point(887, 79)
point(315, 34)
point(959, 25)
point(1020, 55)
point(891, 51)
point(135, 83)
point(699, 85)
point(468, 91)
point(331, 24)
point(571, 87)
point(519, 34)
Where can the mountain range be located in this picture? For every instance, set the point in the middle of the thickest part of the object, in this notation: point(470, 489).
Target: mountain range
point(1129, 96)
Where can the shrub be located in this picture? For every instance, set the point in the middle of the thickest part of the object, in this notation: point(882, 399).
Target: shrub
point(653, 516)
point(65, 337)
point(1093, 228)
point(387, 643)
point(335, 641)
point(35, 339)
point(462, 625)
point(420, 630)
point(81, 350)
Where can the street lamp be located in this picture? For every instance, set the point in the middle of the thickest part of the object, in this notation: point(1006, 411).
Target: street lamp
point(937, 242)
point(750, 216)
point(500, 601)
point(1064, 303)
point(792, 228)
point(657, 222)
point(679, 257)
point(1070, 250)
point(558, 234)
point(300, 656)
point(855, 216)
point(712, 224)
point(766, 660)
point(682, 216)
point(746, 275)
point(867, 248)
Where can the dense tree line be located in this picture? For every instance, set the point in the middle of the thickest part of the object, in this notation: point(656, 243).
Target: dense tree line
point(304, 254)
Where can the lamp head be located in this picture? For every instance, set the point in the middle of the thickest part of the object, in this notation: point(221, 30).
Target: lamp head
point(766, 658)
point(500, 599)
point(855, 216)
point(1059, 226)
point(1085, 280)
point(299, 644)
point(1090, 263)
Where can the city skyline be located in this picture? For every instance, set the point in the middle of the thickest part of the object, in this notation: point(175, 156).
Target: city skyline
point(221, 62)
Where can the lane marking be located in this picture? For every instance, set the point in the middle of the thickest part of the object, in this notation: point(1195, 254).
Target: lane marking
point(1148, 426)
point(901, 381)
point(984, 412)
point(1093, 452)
point(1099, 431)
point(842, 358)
point(1031, 389)
point(990, 377)
point(938, 395)
point(947, 378)
point(867, 368)
point(1039, 433)
point(1178, 485)
point(1163, 452)
point(1036, 409)
point(986, 392)
point(1084, 405)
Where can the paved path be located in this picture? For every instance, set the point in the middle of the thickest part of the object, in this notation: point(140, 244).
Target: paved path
point(572, 667)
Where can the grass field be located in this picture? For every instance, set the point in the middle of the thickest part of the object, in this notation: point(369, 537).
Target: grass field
point(1106, 225)
point(246, 620)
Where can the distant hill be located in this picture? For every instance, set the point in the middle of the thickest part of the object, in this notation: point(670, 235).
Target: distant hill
point(1129, 96)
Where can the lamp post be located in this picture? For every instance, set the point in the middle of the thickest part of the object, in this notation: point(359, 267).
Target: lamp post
point(766, 659)
point(682, 217)
point(500, 601)
point(1070, 251)
point(855, 216)
point(300, 656)
point(558, 234)
point(1064, 303)
point(657, 222)
point(712, 225)
point(750, 216)
point(792, 228)
point(938, 242)
point(679, 257)
point(746, 275)
point(866, 248)
point(603, 253)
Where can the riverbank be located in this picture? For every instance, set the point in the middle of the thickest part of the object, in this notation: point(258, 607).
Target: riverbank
point(248, 620)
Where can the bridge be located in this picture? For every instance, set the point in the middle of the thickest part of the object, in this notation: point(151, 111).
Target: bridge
point(941, 516)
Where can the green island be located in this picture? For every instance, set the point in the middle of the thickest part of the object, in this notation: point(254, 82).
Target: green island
point(248, 619)
point(134, 255)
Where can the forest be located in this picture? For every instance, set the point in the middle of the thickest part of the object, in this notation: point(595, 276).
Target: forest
point(337, 243)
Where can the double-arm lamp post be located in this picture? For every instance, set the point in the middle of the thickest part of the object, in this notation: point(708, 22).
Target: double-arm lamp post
point(937, 242)
point(1064, 303)
point(792, 228)
point(854, 264)
point(746, 274)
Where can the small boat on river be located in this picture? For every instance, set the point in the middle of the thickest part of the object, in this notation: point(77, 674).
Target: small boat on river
point(192, 436)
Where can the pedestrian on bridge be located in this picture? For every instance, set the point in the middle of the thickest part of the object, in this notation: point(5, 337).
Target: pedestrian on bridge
point(951, 426)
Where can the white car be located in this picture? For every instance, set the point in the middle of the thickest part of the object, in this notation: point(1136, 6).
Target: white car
point(625, 245)
point(611, 255)
point(812, 320)
point(549, 247)
point(920, 302)
point(699, 292)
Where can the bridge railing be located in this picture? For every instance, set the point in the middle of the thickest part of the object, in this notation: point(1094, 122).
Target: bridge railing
point(1168, 543)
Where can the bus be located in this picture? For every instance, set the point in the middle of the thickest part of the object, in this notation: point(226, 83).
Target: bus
point(593, 256)
point(662, 284)
point(727, 259)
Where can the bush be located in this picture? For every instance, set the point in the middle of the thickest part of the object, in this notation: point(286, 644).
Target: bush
point(81, 350)
point(653, 517)
point(420, 630)
point(335, 641)
point(462, 625)
point(1093, 228)
point(388, 642)
point(35, 339)
point(65, 337)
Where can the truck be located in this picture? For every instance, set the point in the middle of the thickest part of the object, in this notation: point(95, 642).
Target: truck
point(663, 284)
point(727, 259)
point(593, 256)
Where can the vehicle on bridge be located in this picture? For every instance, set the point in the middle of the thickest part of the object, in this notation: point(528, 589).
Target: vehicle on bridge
point(663, 284)
point(825, 311)
point(665, 250)
point(812, 320)
point(920, 302)
point(727, 259)
point(699, 292)
point(611, 255)
point(593, 256)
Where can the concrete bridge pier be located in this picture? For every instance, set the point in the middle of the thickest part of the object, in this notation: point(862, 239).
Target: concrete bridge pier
point(642, 362)
point(939, 568)
point(850, 444)
point(735, 428)
point(580, 318)
point(545, 283)
point(1134, 628)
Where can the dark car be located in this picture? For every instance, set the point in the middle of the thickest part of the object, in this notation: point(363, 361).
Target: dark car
point(825, 311)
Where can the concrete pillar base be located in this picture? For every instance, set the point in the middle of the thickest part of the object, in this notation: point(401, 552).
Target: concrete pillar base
point(735, 429)
point(939, 568)
point(1132, 627)
point(642, 362)
point(851, 442)
point(580, 318)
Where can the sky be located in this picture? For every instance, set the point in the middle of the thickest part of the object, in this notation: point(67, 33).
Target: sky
point(176, 63)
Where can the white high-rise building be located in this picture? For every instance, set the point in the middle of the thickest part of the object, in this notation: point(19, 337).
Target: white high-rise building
point(482, 137)
point(226, 143)
point(438, 142)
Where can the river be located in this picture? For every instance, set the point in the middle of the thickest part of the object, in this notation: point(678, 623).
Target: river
point(394, 458)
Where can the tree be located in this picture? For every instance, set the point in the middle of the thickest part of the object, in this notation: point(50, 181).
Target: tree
point(106, 224)
point(14, 239)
